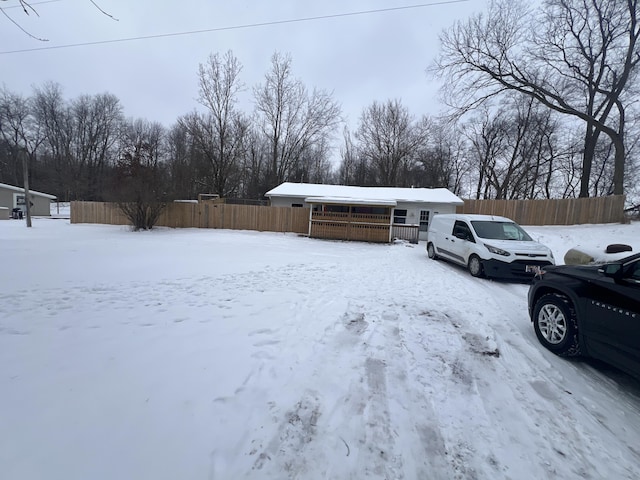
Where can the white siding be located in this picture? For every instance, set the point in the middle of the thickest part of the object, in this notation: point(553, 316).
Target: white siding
point(288, 201)
point(414, 209)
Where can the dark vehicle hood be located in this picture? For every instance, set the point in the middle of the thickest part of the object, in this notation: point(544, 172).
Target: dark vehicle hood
point(585, 272)
point(582, 272)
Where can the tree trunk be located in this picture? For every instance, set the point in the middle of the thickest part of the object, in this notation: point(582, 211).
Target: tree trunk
point(27, 195)
point(619, 164)
point(590, 140)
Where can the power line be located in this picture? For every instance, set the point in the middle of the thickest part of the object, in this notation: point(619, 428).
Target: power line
point(238, 27)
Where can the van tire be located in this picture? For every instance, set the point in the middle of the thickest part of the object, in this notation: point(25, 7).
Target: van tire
point(431, 251)
point(475, 266)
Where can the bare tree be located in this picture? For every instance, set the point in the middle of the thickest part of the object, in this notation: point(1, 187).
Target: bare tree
point(222, 162)
point(291, 119)
point(448, 137)
point(513, 149)
point(441, 162)
point(182, 163)
point(314, 165)
point(353, 169)
point(51, 111)
point(578, 57)
point(140, 184)
point(487, 137)
point(254, 181)
point(389, 138)
point(97, 122)
point(221, 134)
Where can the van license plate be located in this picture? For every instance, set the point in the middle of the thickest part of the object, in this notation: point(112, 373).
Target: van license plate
point(535, 269)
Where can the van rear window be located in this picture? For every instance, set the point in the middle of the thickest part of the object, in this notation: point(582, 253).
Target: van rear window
point(500, 230)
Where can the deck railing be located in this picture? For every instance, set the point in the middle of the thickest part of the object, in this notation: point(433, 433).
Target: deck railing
point(351, 217)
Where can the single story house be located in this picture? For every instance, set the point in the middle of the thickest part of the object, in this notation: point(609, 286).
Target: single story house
point(13, 197)
point(375, 214)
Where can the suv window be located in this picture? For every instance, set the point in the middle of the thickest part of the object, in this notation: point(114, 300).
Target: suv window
point(634, 273)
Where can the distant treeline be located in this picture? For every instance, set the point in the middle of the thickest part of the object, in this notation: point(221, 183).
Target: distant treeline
point(531, 115)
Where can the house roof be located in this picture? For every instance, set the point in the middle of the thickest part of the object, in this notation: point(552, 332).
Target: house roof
point(32, 192)
point(372, 194)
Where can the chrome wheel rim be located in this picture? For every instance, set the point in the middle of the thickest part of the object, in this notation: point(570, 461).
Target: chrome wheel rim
point(552, 324)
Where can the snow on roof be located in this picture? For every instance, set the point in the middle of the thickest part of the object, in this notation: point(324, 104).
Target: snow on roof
point(32, 192)
point(426, 195)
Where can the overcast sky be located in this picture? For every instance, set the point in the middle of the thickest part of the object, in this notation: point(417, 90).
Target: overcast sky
point(360, 58)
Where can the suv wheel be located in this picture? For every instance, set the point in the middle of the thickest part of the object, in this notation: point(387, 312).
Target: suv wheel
point(431, 251)
point(556, 325)
point(475, 266)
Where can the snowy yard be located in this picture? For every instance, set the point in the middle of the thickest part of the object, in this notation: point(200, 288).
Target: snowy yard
point(214, 354)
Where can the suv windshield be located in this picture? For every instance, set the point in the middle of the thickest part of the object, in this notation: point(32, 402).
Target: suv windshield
point(500, 230)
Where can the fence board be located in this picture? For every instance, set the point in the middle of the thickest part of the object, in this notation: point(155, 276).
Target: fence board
point(203, 215)
point(566, 211)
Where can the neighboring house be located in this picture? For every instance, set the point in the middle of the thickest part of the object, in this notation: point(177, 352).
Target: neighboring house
point(13, 197)
point(376, 214)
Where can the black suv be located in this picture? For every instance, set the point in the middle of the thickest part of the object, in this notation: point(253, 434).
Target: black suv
point(591, 310)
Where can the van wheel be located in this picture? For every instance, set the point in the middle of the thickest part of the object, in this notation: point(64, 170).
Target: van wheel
point(475, 266)
point(431, 251)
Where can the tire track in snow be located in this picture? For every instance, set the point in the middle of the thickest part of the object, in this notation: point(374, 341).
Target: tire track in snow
point(443, 357)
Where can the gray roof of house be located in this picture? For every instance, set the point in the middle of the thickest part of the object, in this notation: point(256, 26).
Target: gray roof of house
point(32, 192)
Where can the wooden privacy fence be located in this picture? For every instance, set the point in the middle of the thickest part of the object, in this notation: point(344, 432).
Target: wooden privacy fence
point(203, 215)
point(566, 211)
point(289, 219)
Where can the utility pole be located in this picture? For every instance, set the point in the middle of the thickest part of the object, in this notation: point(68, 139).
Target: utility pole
point(27, 195)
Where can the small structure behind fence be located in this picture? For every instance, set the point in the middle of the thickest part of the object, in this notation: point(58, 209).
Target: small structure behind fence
point(566, 211)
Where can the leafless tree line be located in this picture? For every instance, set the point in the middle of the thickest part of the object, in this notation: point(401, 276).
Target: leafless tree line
point(541, 105)
point(514, 149)
point(577, 58)
point(79, 149)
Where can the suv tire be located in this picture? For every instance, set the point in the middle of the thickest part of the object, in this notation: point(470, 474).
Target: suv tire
point(556, 325)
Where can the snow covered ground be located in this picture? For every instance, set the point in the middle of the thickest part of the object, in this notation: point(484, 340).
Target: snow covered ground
point(214, 354)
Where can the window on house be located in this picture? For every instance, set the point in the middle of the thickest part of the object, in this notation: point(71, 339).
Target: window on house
point(336, 208)
point(298, 205)
point(399, 216)
point(370, 210)
point(424, 220)
point(380, 211)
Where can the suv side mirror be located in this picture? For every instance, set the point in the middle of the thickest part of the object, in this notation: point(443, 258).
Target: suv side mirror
point(612, 270)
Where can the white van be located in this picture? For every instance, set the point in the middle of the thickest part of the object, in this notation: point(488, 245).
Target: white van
point(487, 245)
